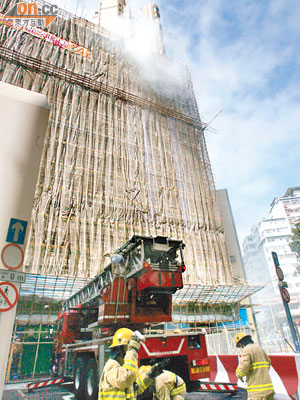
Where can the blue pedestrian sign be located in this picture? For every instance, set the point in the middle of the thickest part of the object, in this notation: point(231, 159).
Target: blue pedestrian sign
point(16, 231)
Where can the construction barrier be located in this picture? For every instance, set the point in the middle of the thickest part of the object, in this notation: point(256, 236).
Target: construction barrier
point(218, 387)
point(40, 384)
point(284, 371)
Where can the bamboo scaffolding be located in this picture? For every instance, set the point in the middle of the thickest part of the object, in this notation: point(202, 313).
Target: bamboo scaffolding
point(121, 157)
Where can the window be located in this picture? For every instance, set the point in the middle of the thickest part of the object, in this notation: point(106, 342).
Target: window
point(156, 11)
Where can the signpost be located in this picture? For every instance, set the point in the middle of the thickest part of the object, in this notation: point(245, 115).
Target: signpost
point(12, 276)
point(279, 273)
point(12, 256)
point(16, 231)
point(8, 296)
point(285, 296)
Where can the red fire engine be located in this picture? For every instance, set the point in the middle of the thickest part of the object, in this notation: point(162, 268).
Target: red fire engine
point(135, 291)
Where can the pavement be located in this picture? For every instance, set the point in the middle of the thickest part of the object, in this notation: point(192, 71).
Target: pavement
point(18, 391)
point(241, 395)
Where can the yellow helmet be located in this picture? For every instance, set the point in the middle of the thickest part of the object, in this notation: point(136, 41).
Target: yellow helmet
point(142, 370)
point(121, 337)
point(239, 337)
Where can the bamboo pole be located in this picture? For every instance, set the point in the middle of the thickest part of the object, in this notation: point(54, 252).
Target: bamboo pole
point(37, 351)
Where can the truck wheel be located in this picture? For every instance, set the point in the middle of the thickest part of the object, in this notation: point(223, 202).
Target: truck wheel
point(91, 380)
point(54, 368)
point(79, 378)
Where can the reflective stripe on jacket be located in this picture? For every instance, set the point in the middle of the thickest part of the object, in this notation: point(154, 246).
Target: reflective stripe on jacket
point(254, 365)
point(168, 385)
point(116, 382)
point(142, 382)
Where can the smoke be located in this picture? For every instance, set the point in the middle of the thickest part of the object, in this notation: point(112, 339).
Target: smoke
point(139, 36)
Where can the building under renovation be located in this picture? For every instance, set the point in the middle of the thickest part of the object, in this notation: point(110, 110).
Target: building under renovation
point(125, 154)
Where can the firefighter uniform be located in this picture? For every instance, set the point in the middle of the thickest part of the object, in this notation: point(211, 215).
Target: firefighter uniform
point(143, 380)
point(119, 374)
point(254, 365)
point(165, 385)
point(169, 386)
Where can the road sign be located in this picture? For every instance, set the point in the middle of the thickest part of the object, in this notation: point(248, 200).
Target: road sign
point(8, 296)
point(12, 256)
point(275, 259)
point(279, 273)
point(16, 231)
point(12, 276)
point(285, 295)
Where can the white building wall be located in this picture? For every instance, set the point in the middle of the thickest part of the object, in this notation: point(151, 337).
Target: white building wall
point(136, 23)
point(24, 119)
point(273, 233)
point(108, 13)
point(233, 247)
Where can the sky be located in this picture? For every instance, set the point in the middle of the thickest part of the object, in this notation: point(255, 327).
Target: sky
point(244, 60)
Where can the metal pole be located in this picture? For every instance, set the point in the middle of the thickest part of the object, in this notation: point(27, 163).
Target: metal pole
point(290, 322)
point(282, 285)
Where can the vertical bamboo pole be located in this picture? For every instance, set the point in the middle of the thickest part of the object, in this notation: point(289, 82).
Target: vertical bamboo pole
point(282, 338)
point(264, 333)
point(11, 353)
point(37, 350)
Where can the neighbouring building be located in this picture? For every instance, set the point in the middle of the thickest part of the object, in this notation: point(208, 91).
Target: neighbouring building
point(273, 233)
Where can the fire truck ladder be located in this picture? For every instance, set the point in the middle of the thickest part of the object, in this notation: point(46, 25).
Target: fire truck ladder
point(91, 291)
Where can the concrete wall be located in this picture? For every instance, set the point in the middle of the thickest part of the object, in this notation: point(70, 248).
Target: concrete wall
point(231, 235)
point(233, 247)
point(24, 120)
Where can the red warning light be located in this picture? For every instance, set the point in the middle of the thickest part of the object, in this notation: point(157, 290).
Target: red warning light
point(146, 265)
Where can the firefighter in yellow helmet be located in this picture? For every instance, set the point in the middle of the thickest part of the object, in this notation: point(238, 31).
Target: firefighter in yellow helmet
point(165, 385)
point(119, 373)
point(254, 364)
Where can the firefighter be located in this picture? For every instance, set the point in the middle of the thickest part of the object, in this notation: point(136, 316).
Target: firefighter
point(254, 364)
point(119, 373)
point(165, 385)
